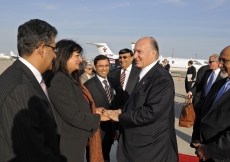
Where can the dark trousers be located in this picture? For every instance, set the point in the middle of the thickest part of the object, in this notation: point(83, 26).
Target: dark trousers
point(188, 86)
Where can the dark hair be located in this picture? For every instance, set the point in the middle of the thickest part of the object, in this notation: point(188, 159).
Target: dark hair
point(32, 34)
point(126, 50)
point(66, 47)
point(100, 57)
point(190, 62)
point(154, 45)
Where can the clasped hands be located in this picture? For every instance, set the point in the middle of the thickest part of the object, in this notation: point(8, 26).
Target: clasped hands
point(201, 151)
point(108, 114)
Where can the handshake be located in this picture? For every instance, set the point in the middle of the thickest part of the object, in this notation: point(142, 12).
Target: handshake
point(108, 114)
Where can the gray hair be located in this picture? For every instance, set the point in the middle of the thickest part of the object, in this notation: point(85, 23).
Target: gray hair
point(216, 57)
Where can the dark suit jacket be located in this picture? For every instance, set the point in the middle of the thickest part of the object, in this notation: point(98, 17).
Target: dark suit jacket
point(132, 80)
point(201, 86)
point(148, 120)
point(191, 70)
point(74, 117)
point(28, 130)
point(213, 124)
point(98, 93)
point(167, 67)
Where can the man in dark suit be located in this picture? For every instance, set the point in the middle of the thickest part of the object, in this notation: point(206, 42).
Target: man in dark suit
point(211, 129)
point(204, 85)
point(191, 73)
point(148, 116)
point(200, 74)
point(166, 65)
point(28, 129)
point(126, 75)
point(103, 98)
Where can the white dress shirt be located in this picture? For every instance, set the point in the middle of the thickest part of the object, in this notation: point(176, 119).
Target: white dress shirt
point(36, 73)
point(146, 69)
point(101, 80)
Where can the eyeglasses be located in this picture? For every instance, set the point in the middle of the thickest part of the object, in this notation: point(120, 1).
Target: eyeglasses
point(223, 60)
point(54, 48)
point(211, 62)
point(124, 57)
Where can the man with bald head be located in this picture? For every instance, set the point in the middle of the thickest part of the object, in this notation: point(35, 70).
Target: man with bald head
point(212, 123)
point(147, 118)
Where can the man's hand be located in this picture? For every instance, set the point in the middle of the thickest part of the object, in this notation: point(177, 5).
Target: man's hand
point(99, 110)
point(202, 152)
point(104, 117)
point(113, 114)
point(189, 95)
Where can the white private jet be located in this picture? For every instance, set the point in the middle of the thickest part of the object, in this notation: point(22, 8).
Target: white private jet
point(8, 57)
point(176, 64)
point(4, 56)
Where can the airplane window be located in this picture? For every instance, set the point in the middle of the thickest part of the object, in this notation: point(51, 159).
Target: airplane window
point(196, 63)
point(172, 62)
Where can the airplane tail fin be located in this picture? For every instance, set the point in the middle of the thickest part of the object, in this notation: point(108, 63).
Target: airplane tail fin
point(103, 49)
point(133, 45)
point(13, 55)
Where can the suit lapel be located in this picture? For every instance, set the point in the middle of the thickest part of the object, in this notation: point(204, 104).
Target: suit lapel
point(142, 83)
point(30, 76)
point(208, 106)
point(111, 85)
point(100, 88)
point(132, 80)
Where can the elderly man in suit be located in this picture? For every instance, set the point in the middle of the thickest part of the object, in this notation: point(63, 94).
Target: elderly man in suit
point(88, 74)
point(147, 118)
point(127, 74)
point(191, 71)
point(28, 130)
point(210, 76)
point(211, 130)
point(104, 91)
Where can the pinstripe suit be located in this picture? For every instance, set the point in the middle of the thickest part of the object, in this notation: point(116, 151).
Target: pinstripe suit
point(27, 126)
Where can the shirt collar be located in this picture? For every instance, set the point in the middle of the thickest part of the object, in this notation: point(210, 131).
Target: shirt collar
point(36, 73)
point(128, 69)
point(146, 69)
point(101, 79)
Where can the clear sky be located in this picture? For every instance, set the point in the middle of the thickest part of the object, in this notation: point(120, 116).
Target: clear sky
point(183, 28)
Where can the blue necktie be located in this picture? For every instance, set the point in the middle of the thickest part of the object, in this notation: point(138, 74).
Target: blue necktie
point(223, 89)
point(209, 85)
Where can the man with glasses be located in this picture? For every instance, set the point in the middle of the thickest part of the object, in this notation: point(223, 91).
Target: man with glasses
point(212, 127)
point(88, 74)
point(127, 74)
point(104, 91)
point(28, 130)
point(210, 76)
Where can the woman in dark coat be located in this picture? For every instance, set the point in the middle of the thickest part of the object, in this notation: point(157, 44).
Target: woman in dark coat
point(75, 119)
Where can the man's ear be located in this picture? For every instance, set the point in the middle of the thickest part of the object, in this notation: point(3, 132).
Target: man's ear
point(40, 50)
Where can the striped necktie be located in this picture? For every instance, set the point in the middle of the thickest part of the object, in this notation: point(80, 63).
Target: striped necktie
point(107, 91)
point(122, 78)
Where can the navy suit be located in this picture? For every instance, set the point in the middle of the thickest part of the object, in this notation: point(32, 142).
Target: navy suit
point(212, 124)
point(148, 120)
point(200, 87)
